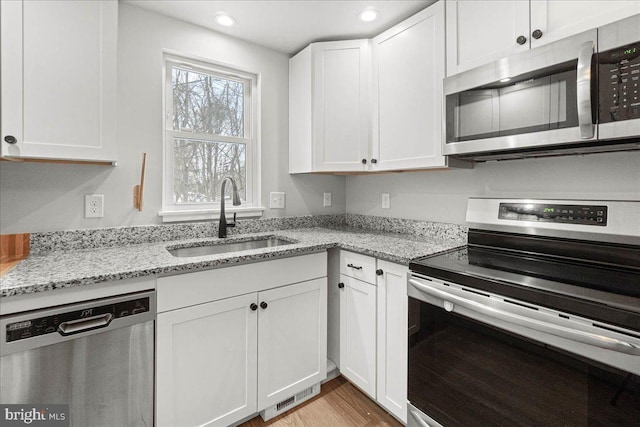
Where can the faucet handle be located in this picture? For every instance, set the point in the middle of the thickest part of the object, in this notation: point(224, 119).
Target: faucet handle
point(234, 217)
point(232, 224)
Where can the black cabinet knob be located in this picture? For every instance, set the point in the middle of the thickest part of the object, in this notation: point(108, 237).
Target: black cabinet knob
point(364, 161)
point(253, 306)
point(379, 272)
point(536, 34)
point(521, 40)
point(263, 305)
point(374, 161)
point(10, 139)
point(340, 285)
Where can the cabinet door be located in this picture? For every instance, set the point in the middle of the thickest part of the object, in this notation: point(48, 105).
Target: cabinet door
point(408, 68)
point(341, 113)
point(206, 363)
point(479, 32)
point(59, 79)
point(358, 333)
point(392, 338)
point(557, 19)
point(292, 347)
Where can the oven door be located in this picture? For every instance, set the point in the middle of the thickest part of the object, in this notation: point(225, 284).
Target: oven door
point(538, 98)
point(480, 359)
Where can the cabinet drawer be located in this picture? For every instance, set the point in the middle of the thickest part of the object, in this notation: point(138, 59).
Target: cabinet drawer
point(361, 267)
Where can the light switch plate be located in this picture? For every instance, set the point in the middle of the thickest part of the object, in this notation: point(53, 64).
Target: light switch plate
point(276, 200)
point(386, 201)
point(327, 199)
point(94, 206)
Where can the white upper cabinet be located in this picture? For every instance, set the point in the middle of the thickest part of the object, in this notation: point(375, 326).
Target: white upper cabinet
point(59, 79)
point(556, 19)
point(408, 68)
point(369, 106)
point(481, 31)
point(329, 107)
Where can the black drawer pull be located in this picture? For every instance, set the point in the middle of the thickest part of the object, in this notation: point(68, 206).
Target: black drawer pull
point(357, 267)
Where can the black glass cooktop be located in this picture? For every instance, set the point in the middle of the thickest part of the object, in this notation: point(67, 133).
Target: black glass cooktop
point(596, 281)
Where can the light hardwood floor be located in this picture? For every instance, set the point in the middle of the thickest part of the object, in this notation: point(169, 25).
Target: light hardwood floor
point(339, 404)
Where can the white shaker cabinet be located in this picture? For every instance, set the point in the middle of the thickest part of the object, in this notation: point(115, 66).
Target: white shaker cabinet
point(482, 31)
point(408, 68)
point(207, 363)
point(292, 340)
point(392, 338)
point(553, 20)
point(358, 333)
point(233, 341)
point(59, 79)
point(329, 113)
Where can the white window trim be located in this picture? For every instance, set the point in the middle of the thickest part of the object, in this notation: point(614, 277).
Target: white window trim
point(171, 212)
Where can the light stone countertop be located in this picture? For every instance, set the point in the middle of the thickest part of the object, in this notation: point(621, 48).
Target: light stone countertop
point(65, 269)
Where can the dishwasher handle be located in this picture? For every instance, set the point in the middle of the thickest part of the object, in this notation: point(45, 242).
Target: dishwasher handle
point(82, 325)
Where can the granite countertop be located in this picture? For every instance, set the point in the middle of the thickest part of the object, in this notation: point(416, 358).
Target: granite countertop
point(64, 269)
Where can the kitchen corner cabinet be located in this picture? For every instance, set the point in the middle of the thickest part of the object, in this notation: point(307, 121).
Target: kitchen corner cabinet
point(58, 79)
point(479, 32)
point(230, 345)
point(370, 105)
point(373, 327)
point(408, 68)
point(329, 107)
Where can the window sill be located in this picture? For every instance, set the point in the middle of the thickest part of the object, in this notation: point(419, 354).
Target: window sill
point(209, 214)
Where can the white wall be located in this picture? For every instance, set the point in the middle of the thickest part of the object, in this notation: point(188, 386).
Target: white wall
point(47, 197)
point(442, 195)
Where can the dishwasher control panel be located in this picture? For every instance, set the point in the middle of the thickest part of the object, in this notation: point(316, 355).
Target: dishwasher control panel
point(76, 321)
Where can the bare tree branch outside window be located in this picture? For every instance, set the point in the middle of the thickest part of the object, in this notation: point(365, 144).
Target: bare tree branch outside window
point(207, 104)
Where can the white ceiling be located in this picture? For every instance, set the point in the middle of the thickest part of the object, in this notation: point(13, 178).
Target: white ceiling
point(289, 25)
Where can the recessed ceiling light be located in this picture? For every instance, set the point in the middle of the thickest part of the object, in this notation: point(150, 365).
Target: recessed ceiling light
point(506, 79)
point(225, 20)
point(369, 15)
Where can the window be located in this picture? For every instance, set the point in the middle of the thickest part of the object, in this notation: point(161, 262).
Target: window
point(210, 133)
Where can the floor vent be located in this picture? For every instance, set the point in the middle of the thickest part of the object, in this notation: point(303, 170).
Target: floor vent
point(286, 404)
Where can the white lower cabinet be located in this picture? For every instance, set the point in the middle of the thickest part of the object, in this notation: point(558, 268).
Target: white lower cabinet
point(358, 333)
point(220, 361)
point(292, 340)
point(373, 326)
point(207, 363)
point(392, 338)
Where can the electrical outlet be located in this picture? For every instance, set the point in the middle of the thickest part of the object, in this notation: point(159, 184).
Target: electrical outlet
point(327, 199)
point(276, 200)
point(386, 201)
point(94, 206)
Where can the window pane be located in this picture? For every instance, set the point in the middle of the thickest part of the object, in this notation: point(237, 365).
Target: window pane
point(200, 166)
point(206, 103)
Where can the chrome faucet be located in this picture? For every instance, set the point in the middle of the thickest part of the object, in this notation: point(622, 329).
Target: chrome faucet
point(222, 225)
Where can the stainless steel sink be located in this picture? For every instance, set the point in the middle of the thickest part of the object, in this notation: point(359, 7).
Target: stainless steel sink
point(220, 248)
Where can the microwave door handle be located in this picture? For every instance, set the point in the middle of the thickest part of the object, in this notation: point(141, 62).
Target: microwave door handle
point(561, 331)
point(583, 89)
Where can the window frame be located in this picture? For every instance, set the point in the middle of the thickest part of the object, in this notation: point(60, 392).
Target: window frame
point(252, 207)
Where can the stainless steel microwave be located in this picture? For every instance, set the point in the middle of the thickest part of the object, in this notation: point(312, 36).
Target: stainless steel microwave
point(576, 95)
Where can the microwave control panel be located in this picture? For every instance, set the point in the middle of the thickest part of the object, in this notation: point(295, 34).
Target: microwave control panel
point(619, 84)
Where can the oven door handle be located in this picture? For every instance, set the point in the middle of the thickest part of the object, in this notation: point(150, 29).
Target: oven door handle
point(576, 335)
point(416, 416)
point(583, 90)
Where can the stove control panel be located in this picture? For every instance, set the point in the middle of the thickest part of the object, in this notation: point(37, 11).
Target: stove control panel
point(544, 212)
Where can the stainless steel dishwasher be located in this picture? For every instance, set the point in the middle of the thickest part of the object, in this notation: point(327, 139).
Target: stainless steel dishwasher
point(97, 357)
